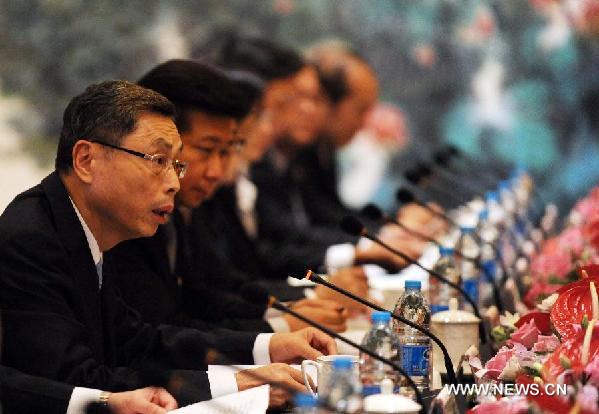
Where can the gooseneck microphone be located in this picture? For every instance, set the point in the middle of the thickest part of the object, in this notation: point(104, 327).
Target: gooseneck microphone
point(405, 196)
point(354, 227)
point(444, 157)
point(373, 212)
point(316, 278)
point(376, 214)
point(257, 294)
point(418, 174)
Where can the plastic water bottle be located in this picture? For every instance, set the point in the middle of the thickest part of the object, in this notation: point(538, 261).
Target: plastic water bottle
point(440, 293)
point(383, 341)
point(305, 404)
point(470, 249)
point(507, 197)
point(345, 392)
point(416, 353)
point(496, 212)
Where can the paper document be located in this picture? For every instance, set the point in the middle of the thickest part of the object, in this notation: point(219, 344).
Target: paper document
point(252, 401)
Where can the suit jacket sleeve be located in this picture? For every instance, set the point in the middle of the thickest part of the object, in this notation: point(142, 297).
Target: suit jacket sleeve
point(149, 287)
point(44, 334)
point(22, 393)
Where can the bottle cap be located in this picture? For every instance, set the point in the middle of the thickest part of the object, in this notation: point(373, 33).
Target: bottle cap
point(484, 214)
point(380, 317)
point(342, 363)
point(304, 400)
point(413, 284)
point(438, 308)
point(492, 196)
point(445, 250)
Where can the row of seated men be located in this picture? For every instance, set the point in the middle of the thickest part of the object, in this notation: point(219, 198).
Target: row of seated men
point(126, 267)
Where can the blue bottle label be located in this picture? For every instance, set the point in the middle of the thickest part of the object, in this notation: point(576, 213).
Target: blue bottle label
point(489, 270)
point(471, 288)
point(414, 359)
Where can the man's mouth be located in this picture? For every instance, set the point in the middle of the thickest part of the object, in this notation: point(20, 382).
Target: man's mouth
point(163, 211)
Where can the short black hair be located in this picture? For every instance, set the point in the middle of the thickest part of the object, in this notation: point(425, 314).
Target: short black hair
point(106, 112)
point(248, 86)
point(194, 86)
point(267, 59)
point(333, 77)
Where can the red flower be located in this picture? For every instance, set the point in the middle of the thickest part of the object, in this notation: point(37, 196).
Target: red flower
point(542, 321)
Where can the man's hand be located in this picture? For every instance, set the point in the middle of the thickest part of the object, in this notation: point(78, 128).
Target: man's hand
point(288, 379)
point(418, 218)
point(352, 279)
point(308, 343)
point(150, 400)
point(326, 312)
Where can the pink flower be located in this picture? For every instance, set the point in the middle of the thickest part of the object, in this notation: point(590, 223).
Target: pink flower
point(587, 207)
point(546, 344)
point(516, 405)
point(592, 370)
point(526, 335)
point(496, 365)
point(539, 290)
point(572, 240)
point(587, 398)
point(557, 263)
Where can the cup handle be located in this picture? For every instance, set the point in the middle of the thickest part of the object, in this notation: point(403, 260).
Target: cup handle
point(305, 363)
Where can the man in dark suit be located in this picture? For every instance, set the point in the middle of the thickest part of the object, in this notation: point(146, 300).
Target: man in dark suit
point(350, 90)
point(187, 282)
point(286, 234)
point(116, 178)
point(21, 393)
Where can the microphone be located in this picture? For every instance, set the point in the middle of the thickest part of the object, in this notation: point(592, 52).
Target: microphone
point(354, 227)
point(316, 278)
point(257, 294)
point(418, 174)
point(454, 151)
point(405, 196)
point(445, 156)
point(374, 213)
point(444, 170)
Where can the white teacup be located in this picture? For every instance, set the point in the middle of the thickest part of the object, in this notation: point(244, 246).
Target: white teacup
point(324, 369)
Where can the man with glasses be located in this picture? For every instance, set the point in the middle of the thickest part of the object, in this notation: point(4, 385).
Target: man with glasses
point(116, 178)
point(178, 261)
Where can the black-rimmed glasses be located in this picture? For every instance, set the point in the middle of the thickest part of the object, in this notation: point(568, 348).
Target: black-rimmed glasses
point(159, 162)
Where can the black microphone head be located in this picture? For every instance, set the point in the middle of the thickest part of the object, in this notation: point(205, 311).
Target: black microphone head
point(453, 150)
point(404, 196)
point(254, 293)
point(424, 169)
point(413, 175)
point(372, 212)
point(441, 157)
point(352, 226)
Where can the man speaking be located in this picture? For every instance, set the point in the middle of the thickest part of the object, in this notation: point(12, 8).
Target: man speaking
point(116, 178)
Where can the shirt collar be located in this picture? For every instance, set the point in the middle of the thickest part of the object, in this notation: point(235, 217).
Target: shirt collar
point(91, 240)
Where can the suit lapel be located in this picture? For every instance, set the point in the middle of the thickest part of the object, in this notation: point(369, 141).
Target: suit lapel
point(83, 268)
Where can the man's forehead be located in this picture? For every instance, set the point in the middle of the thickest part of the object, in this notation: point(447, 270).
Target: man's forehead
point(155, 132)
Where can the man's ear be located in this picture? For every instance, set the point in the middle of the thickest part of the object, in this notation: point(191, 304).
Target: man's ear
point(84, 155)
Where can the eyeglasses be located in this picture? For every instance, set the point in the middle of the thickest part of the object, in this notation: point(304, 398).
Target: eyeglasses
point(159, 162)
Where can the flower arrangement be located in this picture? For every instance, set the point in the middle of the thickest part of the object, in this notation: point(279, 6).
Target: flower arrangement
point(557, 340)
